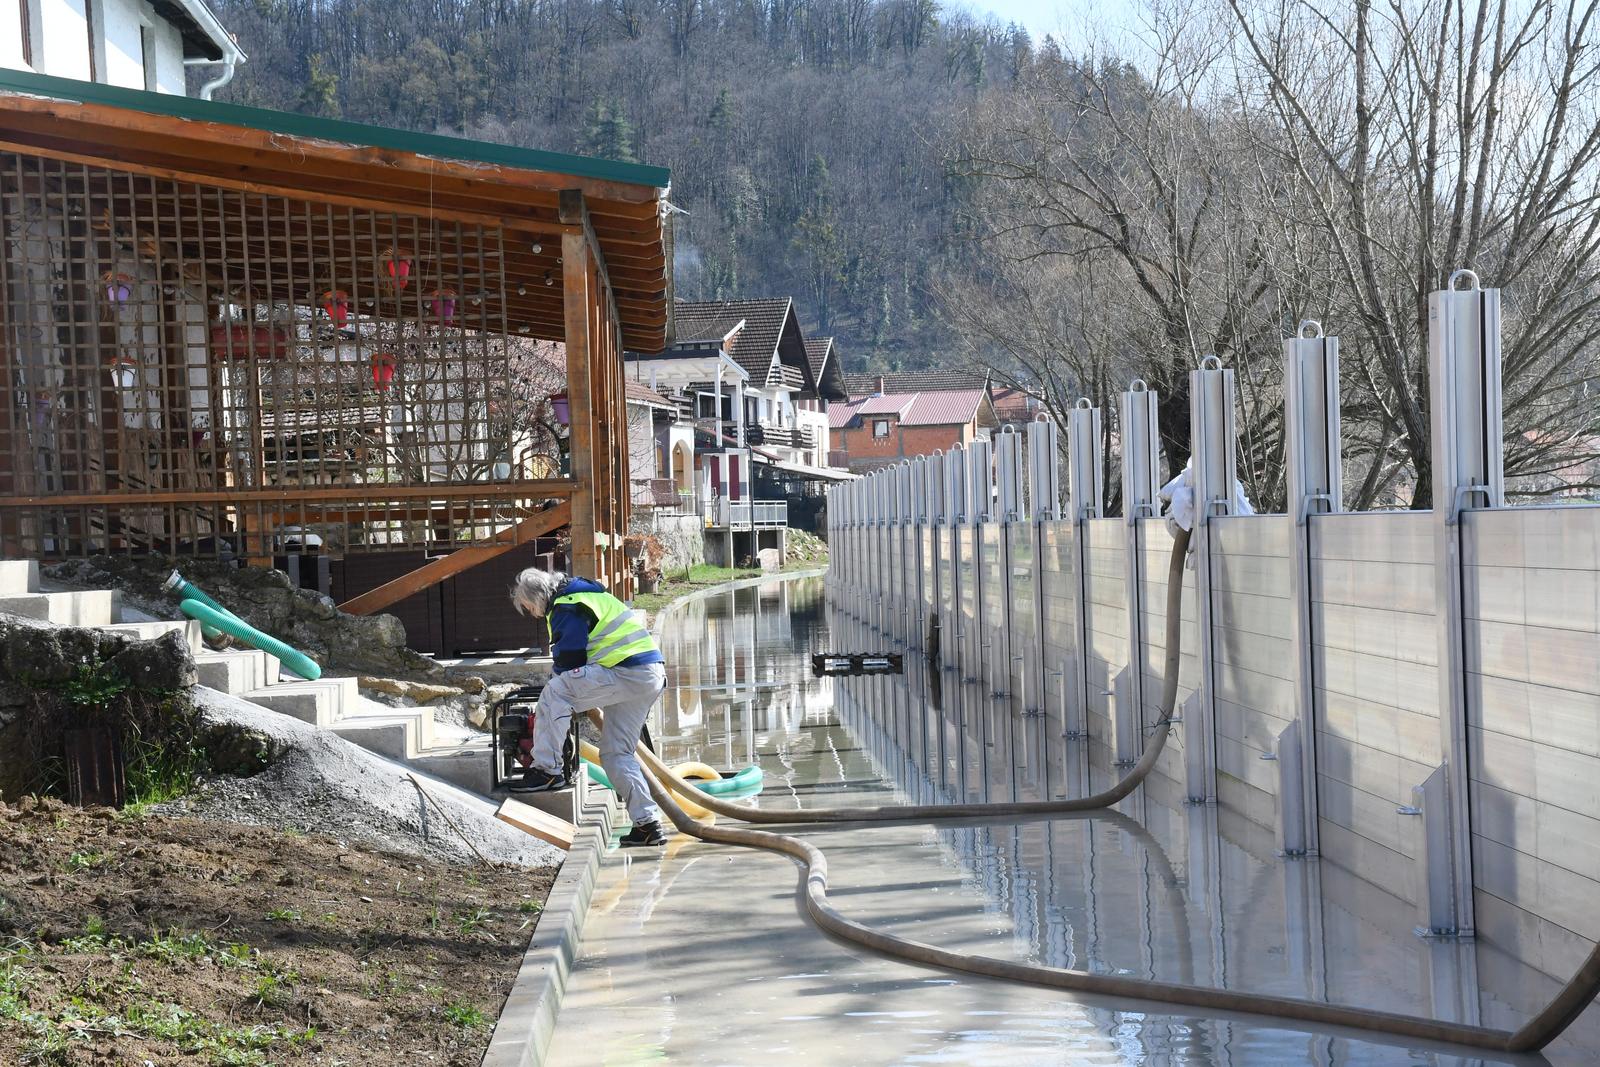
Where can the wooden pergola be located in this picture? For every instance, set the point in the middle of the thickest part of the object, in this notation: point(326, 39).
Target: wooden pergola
point(220, 323)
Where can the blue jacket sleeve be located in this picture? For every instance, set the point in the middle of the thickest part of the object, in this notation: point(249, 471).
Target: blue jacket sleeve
point(569, 638)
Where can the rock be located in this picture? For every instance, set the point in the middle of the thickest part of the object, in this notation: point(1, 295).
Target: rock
point(421, 692)
point(771, 559)
point(163, 664)
point(238, 750)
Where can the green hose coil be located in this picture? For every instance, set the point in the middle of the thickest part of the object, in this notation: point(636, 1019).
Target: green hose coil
point(228, 623)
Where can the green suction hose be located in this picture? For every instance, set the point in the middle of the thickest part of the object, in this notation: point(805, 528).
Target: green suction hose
point(187, 590)
point(228, 623)
point(747, 783)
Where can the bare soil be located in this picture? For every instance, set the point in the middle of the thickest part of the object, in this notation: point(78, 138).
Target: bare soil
point(153, 940)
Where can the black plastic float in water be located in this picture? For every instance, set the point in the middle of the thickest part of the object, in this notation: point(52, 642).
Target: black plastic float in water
point(830, 663)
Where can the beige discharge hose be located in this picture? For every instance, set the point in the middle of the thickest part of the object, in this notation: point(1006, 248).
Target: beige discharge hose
point(1535, 1034)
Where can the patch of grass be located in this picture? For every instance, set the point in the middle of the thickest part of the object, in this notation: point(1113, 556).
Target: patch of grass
point(283, 915)
point(470, 921)
point(93, 684)
point(464, 1015)
point(86, 861)
point(172, 947)
point(530, 907)
point(272, 989)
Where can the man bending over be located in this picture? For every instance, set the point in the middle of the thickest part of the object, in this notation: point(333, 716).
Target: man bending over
point(603, 658)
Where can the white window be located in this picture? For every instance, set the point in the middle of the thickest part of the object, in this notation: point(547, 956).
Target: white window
point(880, 427)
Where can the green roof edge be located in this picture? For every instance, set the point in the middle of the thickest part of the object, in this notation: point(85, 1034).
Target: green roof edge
point(296, 125)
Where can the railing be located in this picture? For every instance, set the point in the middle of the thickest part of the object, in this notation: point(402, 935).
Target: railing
point(782, 436)
point(747, 514)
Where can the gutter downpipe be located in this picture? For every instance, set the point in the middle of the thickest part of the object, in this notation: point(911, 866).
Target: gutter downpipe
point(232, 56)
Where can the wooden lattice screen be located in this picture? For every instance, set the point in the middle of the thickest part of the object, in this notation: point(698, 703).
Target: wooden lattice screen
point(196, 370)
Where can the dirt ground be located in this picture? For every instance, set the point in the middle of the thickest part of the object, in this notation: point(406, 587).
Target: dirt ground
point(150, 940)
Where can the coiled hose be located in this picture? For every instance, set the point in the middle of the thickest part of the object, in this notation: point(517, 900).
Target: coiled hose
point(1535, 1034)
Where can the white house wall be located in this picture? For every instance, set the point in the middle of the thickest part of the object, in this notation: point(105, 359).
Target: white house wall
point(63, 37)
point(61, 45)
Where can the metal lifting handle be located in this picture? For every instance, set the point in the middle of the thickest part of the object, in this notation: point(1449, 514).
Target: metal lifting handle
point(1469, 275)
point(1212, 362)
point(1309, 324)
point(1457, 504)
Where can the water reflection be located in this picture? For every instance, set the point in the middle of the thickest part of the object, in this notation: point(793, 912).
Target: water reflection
point(1156, 888)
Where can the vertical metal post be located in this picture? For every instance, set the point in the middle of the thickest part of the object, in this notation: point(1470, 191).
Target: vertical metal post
point(1085, 500)
point(955, 468)
point(1141, 482)
point(917, 625)
point(1468, 465)
point(1044, 494)
point(1211, 418)
point(980, 510)
point(1312, 459)
point(1011, 510)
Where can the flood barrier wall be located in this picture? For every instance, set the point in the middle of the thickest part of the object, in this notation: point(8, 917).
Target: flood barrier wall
point(1063, 618)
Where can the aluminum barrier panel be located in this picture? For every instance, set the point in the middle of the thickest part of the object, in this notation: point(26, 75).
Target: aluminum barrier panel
point(1532, 627)
point(1023, 676)
point(1155, 554)
point(1377, 687)
point(967, 600)
point(1251, 620)
point(994, 610)
point(1107, 624)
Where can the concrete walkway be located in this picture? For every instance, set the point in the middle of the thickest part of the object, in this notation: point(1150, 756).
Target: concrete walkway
point(700, 954)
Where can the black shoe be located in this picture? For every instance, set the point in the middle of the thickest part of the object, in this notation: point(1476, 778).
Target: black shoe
point(644, 833)
point(537, 781)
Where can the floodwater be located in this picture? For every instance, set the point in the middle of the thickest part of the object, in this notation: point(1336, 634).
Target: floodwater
point(701, 954)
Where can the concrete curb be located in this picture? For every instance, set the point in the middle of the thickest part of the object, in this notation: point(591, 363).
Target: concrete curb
point(528, 1019)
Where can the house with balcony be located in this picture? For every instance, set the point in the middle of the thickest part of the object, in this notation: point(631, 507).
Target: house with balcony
point(743, 375)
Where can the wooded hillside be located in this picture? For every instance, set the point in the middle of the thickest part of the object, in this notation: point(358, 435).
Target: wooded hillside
point(802, 136)
point(937, 191)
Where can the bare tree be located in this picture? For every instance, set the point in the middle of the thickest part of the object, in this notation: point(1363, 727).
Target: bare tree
point(1432, 136)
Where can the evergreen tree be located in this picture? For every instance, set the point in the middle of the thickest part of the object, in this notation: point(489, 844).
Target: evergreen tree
point(608, 133)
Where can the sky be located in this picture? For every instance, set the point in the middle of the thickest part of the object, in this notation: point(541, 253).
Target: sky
point(1065, 18)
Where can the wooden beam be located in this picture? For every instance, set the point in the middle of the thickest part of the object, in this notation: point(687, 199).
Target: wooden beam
point(291, 495)
point(436, 571)
point(541, 824)
point(91, 121)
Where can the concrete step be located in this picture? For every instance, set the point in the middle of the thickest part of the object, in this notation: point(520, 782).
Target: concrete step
point(149, 631)
point(95, 607)
point(18, 576)
point(398, 733)
point(321, 703)
point(462, 763)
point(236, 671)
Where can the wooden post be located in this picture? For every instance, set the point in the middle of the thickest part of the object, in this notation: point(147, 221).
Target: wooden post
point(594, 341)
point(576, 306)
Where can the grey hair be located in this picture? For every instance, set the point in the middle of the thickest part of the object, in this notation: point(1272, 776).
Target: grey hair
point(532, 590)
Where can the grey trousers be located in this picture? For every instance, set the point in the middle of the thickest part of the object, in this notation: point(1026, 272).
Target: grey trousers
point(626, 695)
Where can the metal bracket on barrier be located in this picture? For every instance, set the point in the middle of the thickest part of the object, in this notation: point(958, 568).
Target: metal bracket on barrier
point(1435, 865)
point(1303, 513)
point(1462, 492)
point(1291, 828)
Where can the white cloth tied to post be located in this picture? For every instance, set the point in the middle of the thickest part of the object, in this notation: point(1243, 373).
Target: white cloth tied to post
point(1178, 496)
